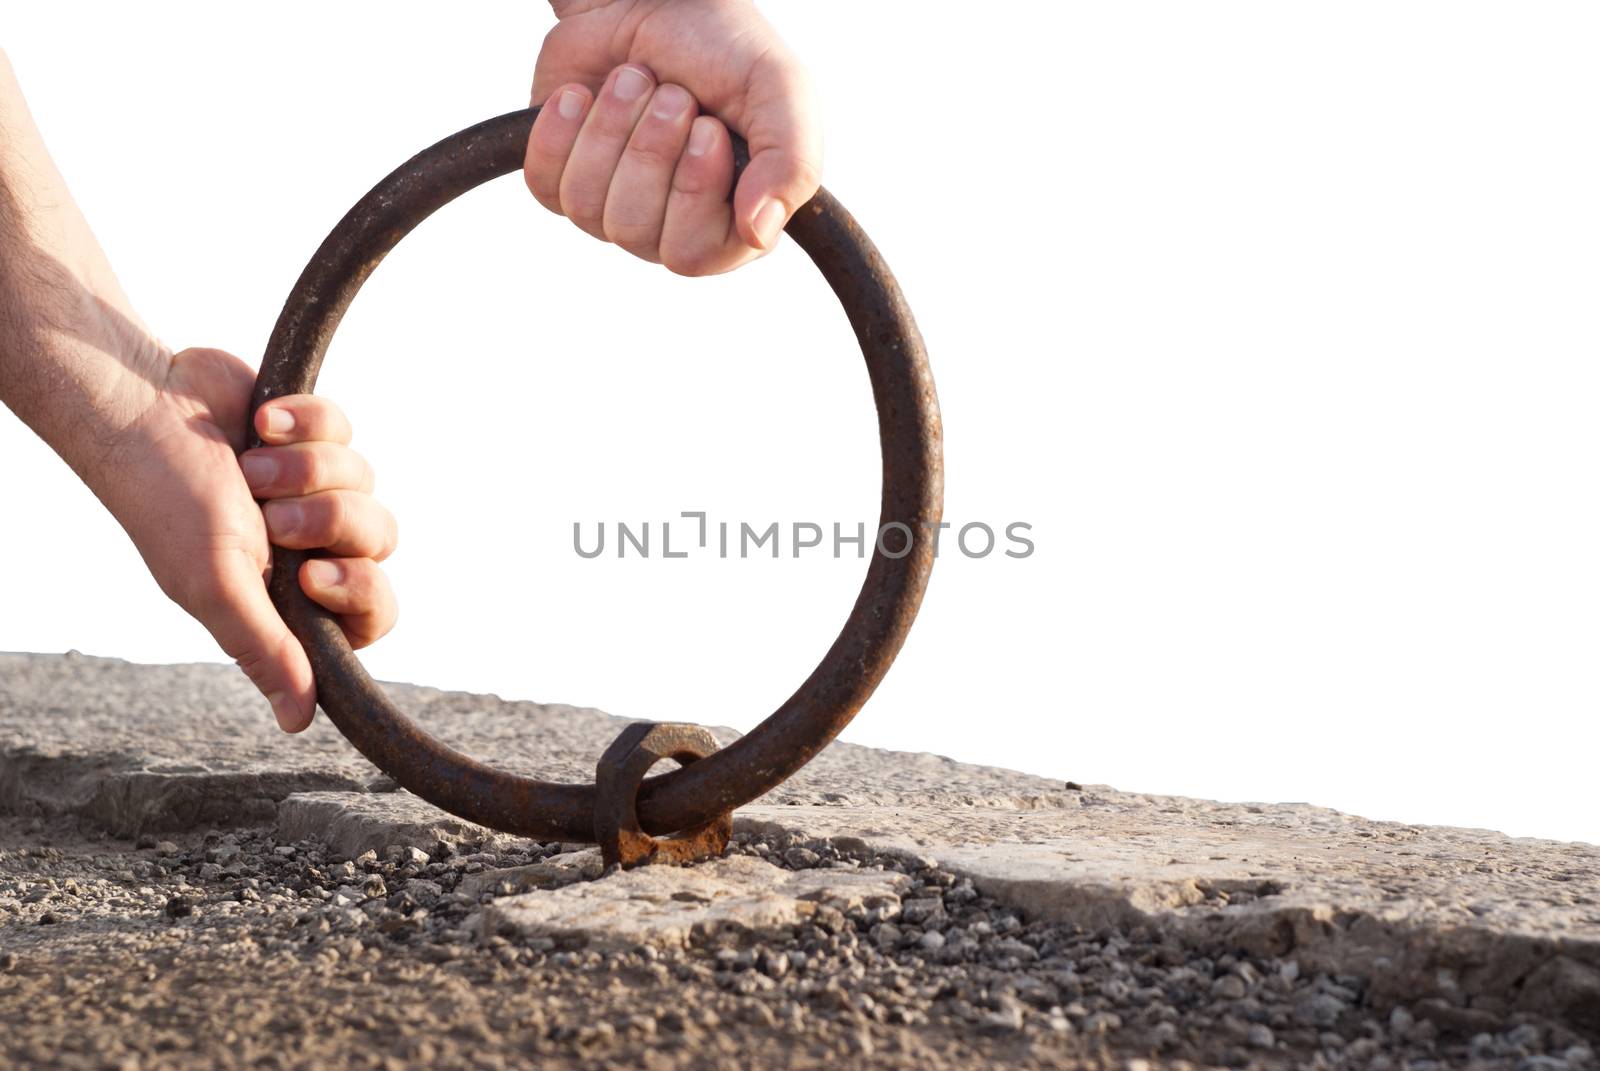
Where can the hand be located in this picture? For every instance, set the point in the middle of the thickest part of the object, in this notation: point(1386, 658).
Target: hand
point(618, 149)
point(184, 487)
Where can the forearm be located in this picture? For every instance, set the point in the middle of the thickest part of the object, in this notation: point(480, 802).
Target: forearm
point(76, 364)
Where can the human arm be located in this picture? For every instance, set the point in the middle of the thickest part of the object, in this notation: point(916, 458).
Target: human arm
point(158, 436)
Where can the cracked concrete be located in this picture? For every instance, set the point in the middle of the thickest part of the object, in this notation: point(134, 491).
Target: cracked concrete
point(1469, 918)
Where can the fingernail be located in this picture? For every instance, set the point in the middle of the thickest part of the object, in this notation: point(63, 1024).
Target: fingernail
point(323, 573)
point(768, 222)
point(283, 518)
point(259, 470)
point(283, 708)
point(701, 135)
point(670, 102)
point(570, 106)
point(279, 421)
point(629, 84)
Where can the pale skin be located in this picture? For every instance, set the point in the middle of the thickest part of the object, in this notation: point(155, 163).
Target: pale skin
point(631, 145)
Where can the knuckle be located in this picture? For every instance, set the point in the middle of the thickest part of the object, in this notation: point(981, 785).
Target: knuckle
point(254, 664)
point(646, 153)
point(695, 178)
point(307, 469)
point(805, 175)
point(584, 204)
point(342, 516)
point(391, 536)
point(358, 584)
point(693, 263)
point(544, 183)
point(632, 230)
point(326, 519)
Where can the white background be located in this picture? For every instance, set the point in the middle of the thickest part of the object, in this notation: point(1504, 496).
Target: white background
point(1277, 322)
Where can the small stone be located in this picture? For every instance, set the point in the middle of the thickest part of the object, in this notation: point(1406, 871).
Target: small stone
point(772, 964)
point(1006, 1021)
point(801, 858)
point(1320, 1009)
point(1526, 1037)
point(1102, 1023)
point(1260, 1036)
point(407, 855)
point(1009, 948)
point(425, 893)
point(919, 910)
point(1228, 987)
point(931, 941)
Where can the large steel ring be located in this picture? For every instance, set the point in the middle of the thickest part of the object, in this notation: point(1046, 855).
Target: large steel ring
point(913, 491)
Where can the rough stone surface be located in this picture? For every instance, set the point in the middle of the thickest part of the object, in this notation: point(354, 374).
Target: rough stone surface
point(140, 747)
point(354, 822)
point(235, 950)
point(674, 907)
point(1464, 913)
point(1461, 930)
point(555, 872)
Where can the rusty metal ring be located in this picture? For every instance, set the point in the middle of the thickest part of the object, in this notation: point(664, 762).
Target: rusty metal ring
point(617, 777)
point(913, 479)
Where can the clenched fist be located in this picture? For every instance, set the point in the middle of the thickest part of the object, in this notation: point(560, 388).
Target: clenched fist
point(632, 141)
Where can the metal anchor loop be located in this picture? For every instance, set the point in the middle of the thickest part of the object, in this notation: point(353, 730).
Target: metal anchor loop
point(617, 777)
point(705, 791)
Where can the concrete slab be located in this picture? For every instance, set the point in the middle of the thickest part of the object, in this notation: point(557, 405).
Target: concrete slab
point(735, 900)
point(1468, 918)
point(1466, 915)
point(162, 748)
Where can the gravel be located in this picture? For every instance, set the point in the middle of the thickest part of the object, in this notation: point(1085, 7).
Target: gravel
point(229, 949)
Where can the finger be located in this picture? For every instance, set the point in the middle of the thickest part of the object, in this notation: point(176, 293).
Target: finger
point(550, 142)
point(636, 204)
point(344, 523)
point(299, 418)
point(698, 237)
point(785, 140)
point(357, 591)
point(303, 469)
point(234, 607)
point(586, 180)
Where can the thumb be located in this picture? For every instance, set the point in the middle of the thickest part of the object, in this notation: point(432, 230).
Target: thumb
point(780, 124)
point(240, 616)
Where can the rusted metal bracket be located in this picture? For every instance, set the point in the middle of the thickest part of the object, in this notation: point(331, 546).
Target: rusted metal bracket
point(617, 777)
point(702, 793)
